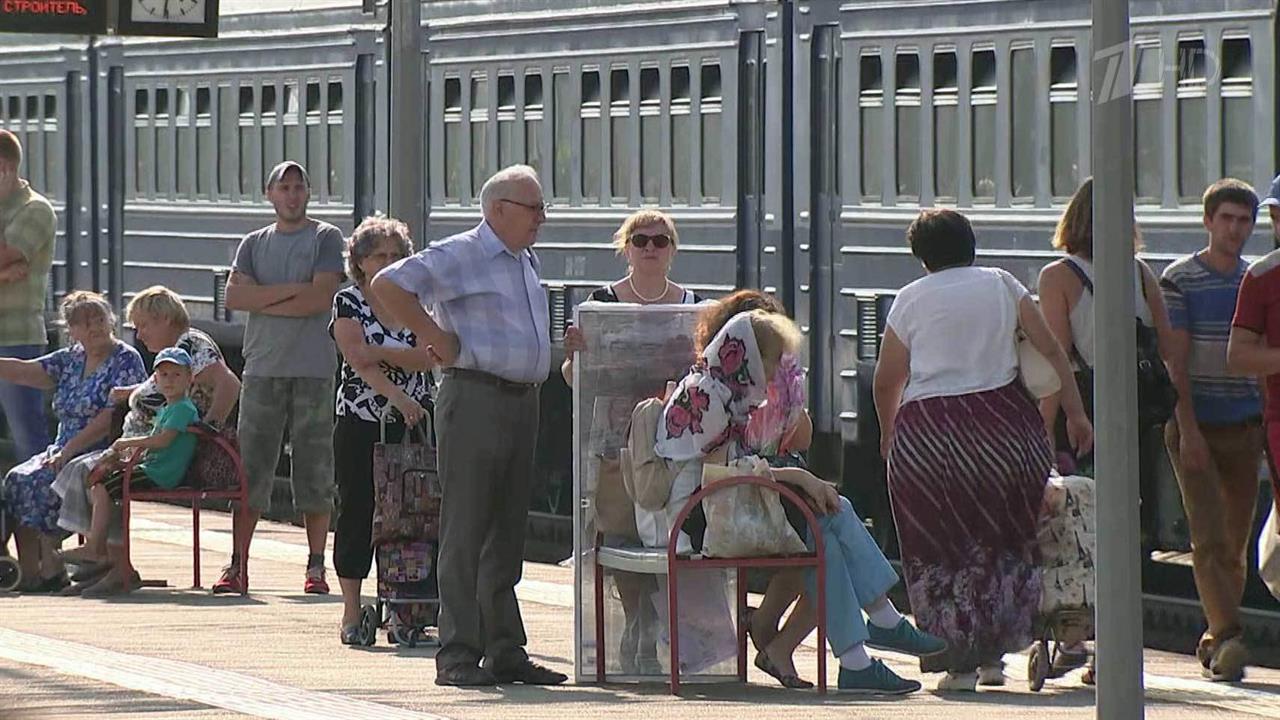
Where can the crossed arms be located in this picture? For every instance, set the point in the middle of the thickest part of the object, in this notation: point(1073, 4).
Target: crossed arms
point(285, 300)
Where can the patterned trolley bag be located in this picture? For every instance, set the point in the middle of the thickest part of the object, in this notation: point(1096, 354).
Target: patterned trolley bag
point(1068, 543)
point(406, 525)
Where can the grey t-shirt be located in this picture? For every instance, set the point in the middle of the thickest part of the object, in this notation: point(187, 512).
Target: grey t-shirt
point(277, 346)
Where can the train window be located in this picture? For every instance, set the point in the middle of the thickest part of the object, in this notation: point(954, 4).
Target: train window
point(335, 147)
point(249, 172)
point(227, 142)
point(506, 120)
point(184, 156)
point(650, 150)
point(983, 140)
point(711, 148)
point(533, 120)
point(164, 144)
point(681, 134)
point(589, 115)
point(295, 142)
point(562, 158)
point(1237, 108)
point(1064, 150)
point(479, 118)
point(54, 153)
point(1024, 97)
point(34, 143)
point(1192, 118)
point(906, 109)
point(946, 129)
point(453, 162)
point(1147, 124)
point(871, 117)
point(204, 143)
point(620, 134)
point(272, 151)
point(316, 133)
point(15, 108)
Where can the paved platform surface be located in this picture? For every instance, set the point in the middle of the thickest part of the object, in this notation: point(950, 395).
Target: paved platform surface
point(181, 653)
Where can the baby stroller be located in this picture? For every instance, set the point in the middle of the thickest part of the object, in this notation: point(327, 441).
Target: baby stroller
point(1067, 542)
point(406, 523)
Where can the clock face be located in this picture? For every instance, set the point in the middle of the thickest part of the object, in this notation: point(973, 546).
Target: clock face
point(168, 11)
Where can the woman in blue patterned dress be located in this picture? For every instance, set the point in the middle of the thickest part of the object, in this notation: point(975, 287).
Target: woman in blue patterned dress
point(81, 377)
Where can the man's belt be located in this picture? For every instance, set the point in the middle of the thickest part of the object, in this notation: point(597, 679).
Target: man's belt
point(489, 379)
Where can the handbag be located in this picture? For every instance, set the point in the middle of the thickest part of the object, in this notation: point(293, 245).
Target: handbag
point(745, 520)
point(1269, 554)
point(1035, 370)
point(615, 511)
point(406, 487)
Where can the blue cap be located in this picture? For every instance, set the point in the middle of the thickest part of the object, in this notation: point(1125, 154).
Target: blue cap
point(174, 355)
point(1273, 197)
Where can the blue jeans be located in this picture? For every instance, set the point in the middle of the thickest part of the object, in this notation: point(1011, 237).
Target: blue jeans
point(23, 407)
point(857, 575)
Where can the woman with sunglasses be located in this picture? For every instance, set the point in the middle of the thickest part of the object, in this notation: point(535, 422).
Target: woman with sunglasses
point(647, 239)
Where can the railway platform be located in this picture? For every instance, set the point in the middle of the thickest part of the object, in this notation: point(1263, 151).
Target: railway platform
point(182, 653)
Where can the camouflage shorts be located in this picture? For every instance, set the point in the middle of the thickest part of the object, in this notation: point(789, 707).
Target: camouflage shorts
point(305, 406)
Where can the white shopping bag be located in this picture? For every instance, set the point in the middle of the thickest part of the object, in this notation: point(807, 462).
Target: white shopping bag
point(1269, 554)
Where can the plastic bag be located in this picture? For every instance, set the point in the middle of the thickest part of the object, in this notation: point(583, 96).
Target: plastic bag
point(1269, 554)
point(745, 520)
point(1068, 542)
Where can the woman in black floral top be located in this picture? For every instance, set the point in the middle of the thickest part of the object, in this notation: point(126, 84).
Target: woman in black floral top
point(383, 375)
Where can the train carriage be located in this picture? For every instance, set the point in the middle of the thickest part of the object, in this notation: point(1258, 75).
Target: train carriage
point(792, 140)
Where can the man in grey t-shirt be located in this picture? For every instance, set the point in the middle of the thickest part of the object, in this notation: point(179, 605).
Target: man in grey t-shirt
point(285, 276)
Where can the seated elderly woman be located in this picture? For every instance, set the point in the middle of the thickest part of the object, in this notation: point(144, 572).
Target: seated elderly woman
point(746, 398)
point(647, 240)
point(160, 321)
point(81, 377)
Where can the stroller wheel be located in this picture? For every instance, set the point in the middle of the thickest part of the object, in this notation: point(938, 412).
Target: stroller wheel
point(415, 635)
point(368, 625)
point(10, 573)
point(1037, 666)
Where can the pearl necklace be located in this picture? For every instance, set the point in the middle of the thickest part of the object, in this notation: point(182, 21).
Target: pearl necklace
point(644, 299)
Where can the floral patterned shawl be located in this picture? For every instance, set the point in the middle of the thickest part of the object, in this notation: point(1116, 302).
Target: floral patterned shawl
point(714, 403)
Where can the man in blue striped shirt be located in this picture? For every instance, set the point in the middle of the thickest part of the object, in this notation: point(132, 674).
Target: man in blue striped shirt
point(476, 300)
point(1215, 438)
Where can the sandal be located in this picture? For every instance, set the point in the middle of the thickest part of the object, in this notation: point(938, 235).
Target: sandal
point(351, 635)
point(789, 681)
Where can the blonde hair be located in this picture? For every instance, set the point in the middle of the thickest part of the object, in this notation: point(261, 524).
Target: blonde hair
point(776, 335)
point(640, 218)
point(76, 304)
point(161, 303)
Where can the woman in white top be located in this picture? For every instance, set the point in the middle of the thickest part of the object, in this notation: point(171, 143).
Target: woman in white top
point(967, 452)
point(1066, 299)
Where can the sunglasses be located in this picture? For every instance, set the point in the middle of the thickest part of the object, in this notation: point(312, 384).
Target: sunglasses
point(642, 241)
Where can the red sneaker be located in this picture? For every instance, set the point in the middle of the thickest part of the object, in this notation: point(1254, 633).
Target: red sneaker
point(315, 584)
point(229, 583)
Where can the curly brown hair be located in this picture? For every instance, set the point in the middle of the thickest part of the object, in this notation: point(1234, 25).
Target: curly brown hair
point(715, 316)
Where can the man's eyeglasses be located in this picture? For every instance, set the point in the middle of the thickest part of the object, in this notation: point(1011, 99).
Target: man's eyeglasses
point(539, 209)
point(642, 241)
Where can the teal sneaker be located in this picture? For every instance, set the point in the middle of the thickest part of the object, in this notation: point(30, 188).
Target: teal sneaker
point(877, 679)
point(904, 638)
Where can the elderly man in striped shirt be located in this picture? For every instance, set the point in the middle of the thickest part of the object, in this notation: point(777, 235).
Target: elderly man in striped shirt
point(475, 298)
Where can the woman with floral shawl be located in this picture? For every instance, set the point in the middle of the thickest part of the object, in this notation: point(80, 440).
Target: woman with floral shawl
point(742, 399)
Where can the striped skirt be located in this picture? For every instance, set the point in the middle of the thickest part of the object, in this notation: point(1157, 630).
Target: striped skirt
point(966, 479)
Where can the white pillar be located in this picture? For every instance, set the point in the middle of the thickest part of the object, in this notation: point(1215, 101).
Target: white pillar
point(1119, 590)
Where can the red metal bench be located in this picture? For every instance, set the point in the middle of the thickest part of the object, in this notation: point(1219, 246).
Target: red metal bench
point(194, 492)
point(668, 562)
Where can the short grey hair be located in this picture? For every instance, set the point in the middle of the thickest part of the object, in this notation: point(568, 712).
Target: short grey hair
point(497, 186)
point(366, 238)
point(84, 306)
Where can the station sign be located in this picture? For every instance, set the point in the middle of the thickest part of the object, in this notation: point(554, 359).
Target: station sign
point(175, 18)
point(64, 17)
